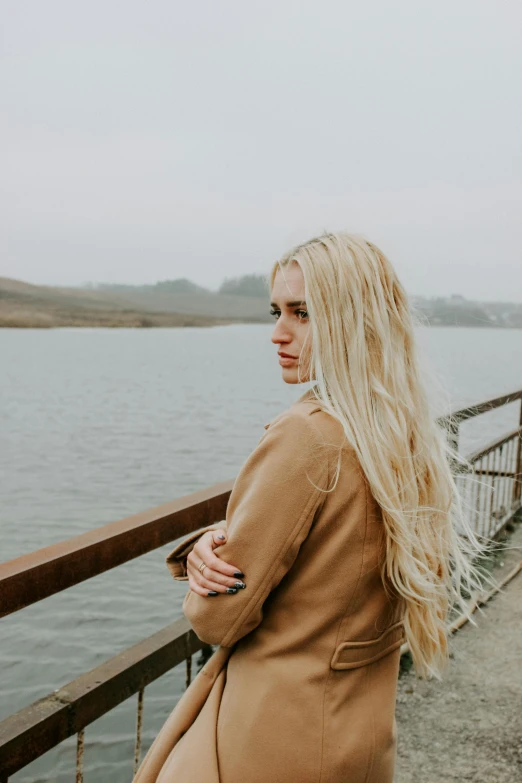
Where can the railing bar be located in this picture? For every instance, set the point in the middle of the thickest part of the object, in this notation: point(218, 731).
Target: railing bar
point(512, 464)
point(139, 723)
point(484, 407)
point(485, 491)
point(40, 574)
point(480, 496)
point(496, 479)
point(502, 485)
point(503, 474)
point(505, 483)
point(508, 481)
point(80, 752)
point(494, 444)
point(474, 493)
point(512, 471)
point(35, 729)
point(494, 493)
point(491, 463)
point(482, 499)
point(517, 489)
point(477, 500)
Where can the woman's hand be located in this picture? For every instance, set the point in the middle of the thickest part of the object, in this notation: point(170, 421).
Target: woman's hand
point(218, 576)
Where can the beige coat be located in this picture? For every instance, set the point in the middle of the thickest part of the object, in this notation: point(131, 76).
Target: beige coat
point(302, 688)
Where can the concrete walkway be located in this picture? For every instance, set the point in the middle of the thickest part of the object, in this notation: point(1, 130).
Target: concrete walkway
point(469, 726)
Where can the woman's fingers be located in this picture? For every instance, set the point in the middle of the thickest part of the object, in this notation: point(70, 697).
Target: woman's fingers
point(208, 579)
point(217, 576)
point(205, 587)
point(213, 562)
point(219, 537)
point(203, 551)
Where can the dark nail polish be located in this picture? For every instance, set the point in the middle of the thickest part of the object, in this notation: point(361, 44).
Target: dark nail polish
point(222, 538)
point(231, 589)
point(212, 592)
point(241, 585)
point(239, 573)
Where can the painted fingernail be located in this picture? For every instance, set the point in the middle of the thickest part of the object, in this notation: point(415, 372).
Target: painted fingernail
point(241, 585)
point(212, 592)
point(222, 537)
point(231, 589)
point(239, 573)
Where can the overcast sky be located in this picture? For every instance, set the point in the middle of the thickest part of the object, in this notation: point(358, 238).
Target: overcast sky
point(162, 139)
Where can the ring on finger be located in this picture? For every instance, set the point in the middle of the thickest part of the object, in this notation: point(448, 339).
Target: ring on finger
point(202, 566)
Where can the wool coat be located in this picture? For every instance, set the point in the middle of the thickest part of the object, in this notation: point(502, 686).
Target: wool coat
point(302, 687)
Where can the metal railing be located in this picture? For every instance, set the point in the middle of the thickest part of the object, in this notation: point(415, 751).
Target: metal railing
point(493, 497)
point(491, 487)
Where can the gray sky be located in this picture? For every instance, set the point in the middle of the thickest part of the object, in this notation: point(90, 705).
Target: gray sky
point(160, 139)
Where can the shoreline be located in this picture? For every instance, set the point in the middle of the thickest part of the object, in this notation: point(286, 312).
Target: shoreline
point(117, 321)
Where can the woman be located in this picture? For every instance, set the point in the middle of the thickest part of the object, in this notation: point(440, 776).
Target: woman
point(340, 543)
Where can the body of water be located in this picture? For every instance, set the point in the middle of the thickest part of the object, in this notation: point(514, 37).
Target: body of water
point(99, 424)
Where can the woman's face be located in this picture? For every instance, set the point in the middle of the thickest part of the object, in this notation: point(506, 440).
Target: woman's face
point(292, 325)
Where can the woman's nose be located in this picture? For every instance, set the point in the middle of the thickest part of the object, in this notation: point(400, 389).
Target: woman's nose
point(281, 333)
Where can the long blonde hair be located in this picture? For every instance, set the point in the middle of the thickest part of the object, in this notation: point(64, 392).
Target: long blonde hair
point(363, 358)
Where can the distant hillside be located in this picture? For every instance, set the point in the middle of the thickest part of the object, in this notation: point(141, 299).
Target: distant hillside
point(244, 299)
point(248, 285)
point(456, 310)
point(236, 302)
point(212, 305)
point(179, 286)
point(26, 305)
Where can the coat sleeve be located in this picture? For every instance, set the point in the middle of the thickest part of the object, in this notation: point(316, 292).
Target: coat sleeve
point(269, 514)
point(177, 559)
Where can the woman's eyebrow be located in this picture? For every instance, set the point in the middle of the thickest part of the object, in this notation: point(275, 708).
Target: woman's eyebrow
point(290, 304)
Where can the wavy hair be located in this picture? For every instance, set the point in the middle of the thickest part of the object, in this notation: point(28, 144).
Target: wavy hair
point(368, 375)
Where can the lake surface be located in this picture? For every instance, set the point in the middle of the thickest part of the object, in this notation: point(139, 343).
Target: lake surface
point(98, 424)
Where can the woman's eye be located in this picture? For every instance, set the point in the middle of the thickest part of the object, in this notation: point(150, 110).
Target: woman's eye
point(301, 314)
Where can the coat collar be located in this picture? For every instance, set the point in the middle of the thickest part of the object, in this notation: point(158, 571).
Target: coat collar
point(308, 395)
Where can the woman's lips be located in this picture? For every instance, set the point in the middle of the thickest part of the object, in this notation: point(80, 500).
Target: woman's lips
point(285, 360)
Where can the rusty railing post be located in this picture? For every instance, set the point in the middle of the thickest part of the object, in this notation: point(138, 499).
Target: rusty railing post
point(517, 484)
point(80, 753)
point(139, 725)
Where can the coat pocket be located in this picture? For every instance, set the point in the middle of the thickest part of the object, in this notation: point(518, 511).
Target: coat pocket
point(351, 655)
